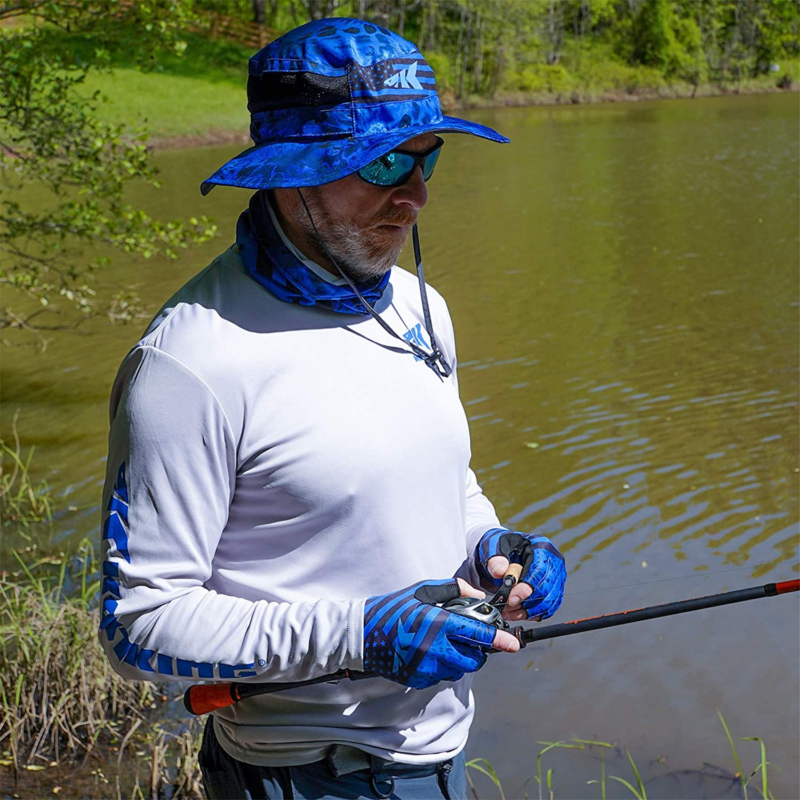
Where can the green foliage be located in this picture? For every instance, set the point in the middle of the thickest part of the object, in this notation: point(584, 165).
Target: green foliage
point(53, 144)
point(60, 701)
point(554, 79)
point(443, 69)
point(58, 693)
point(761, 767)
point(485, 768)
point(22, 500)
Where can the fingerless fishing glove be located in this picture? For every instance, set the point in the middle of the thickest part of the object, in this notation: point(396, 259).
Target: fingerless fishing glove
point(543, 567)
point(411, 641)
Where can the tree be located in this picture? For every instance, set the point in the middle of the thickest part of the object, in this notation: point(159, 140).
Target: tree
point(320, 9)
point(260, 11)
point(51, 138)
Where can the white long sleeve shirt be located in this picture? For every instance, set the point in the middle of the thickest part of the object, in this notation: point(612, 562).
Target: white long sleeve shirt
point(270, 466)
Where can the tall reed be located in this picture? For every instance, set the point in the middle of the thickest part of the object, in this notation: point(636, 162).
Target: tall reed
point(22, 501)
point(59, 695)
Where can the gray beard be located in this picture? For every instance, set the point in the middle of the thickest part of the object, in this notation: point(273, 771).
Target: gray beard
point(354, 252)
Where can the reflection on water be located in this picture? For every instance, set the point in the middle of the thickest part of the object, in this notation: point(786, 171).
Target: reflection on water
point(624, 285)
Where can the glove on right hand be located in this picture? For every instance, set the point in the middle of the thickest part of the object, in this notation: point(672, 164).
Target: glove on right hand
point(410, 641)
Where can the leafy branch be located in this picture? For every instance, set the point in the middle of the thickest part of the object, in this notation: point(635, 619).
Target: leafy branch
point(52, 143)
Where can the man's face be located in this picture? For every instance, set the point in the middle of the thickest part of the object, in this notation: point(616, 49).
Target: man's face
point(363, 226)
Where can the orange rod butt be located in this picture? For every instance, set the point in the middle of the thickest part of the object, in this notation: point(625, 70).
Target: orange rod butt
point(788, 586)
point(202, 698)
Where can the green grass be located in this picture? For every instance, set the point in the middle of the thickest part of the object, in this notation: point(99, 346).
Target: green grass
point(22, 500)
point(61, 704)
point(190, 95)
point(58, 693)
point(761, 767)
point(171, 105)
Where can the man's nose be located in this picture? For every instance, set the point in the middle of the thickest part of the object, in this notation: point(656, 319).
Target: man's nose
point(413, 192)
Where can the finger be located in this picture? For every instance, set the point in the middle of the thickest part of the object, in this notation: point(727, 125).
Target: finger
point(468, 631)
point(521, 592)
point(436, 592)
point(497, 566)
point(506, 642)
point(515, 614)
point(466, 657)
point(469, 591)
point(547, 605)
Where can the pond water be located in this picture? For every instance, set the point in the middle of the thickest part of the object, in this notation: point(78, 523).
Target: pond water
point(623, 281)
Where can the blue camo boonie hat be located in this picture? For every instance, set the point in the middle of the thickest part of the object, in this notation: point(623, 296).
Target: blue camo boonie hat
point(327, 98)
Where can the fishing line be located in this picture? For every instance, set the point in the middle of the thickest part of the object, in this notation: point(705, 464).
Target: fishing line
point(677, 578)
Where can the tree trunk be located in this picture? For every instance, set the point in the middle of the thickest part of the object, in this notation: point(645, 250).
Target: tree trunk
point(430, 25)
point(260, 11)
point(319, 9)
point(555, 32)
point(465, 55)
point(401, 17)
point(499, 66)
point(478, 71)
point(459, 40)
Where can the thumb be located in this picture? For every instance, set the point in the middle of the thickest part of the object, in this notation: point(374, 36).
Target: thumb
point(505, 642)
point(469, 591)
point(497, 566)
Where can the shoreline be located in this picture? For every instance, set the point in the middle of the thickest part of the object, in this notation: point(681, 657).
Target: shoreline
point(449, 104)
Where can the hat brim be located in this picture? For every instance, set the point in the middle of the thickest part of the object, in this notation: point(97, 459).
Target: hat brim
point(294, 164)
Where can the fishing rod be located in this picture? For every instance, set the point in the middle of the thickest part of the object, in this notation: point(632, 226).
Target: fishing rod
point(202, 698)
point(528, 636)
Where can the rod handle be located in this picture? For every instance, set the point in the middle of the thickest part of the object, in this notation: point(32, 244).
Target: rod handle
point(510, 580)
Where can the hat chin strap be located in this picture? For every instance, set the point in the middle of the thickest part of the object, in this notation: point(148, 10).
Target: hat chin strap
point(435, 359)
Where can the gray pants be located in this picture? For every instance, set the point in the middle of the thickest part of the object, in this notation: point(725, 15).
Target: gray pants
point(337, 776)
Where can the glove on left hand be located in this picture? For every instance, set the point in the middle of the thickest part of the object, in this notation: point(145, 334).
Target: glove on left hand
point(543, 568)
point(410, 640)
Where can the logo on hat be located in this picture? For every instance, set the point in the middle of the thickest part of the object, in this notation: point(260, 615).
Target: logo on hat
point(405, 78)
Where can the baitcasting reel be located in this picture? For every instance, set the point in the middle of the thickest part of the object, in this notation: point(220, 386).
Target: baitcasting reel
point(488, 611)
point(480, 610)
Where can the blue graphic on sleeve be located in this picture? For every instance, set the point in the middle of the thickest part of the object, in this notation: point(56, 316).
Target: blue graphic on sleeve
point(411, 641)
point(116, 524)
point(115, 529)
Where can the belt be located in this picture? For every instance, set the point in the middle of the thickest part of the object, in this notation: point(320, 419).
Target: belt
point(344, 760)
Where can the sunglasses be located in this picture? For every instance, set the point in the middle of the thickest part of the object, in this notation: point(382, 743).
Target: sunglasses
point(396, 167)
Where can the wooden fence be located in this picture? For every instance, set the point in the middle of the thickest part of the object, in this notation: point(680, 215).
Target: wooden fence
point(247, 33)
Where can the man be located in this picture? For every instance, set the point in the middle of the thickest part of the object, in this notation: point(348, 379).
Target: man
point(288, 490)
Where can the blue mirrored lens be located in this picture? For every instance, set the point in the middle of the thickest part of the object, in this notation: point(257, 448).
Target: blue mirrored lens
point(388, 170)
point(430, 163)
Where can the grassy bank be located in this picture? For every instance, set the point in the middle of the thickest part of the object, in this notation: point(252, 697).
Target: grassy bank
point(68, 720)
point(199, 98)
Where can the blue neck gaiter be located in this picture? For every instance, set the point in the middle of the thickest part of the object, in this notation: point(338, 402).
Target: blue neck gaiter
point(274, 266)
